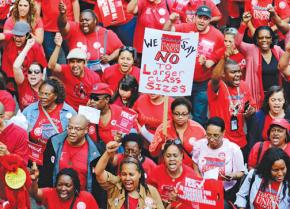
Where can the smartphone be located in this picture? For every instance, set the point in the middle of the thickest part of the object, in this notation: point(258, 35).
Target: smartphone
point(28, 36)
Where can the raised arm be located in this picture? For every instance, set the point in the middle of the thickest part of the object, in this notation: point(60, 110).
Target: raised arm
point(101, 173)
point(34, 191)
point(168, 26)
point(76, 10)
point(17, 65)
point(282, 25)
point(52, 64)
point(217, 75)
point(62, 23)
point(244, 24)
point(133, 7)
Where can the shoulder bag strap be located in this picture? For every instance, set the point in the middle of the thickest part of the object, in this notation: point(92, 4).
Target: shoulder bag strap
point(259, 153)
point(73, 202)
point(50, 120)
point(105, 41)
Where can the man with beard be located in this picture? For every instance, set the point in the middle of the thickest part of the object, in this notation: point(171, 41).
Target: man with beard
point(72, 148)
point(77, 78)
point(100, 44)
point(210, 39)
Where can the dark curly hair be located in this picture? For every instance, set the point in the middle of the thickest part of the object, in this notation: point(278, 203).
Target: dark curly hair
point(31, 13)
point(127, 83)
point(273, 89)
point(264, 168)
point(181, 101)
point(74, 176)
point(58, 88)
point(255, 37)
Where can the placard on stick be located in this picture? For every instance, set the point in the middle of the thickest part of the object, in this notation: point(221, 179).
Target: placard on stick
point(167, 66)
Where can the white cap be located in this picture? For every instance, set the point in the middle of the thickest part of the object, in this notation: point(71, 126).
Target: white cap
point(77, 53)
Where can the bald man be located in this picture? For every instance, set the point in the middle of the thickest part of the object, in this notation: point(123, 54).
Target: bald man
point(13, 139)
point(72, 148)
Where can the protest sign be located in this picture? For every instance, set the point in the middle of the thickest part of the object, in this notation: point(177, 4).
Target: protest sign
point(168, 62)
point(111, 12)
point(126, 120)
point(92, 114)
point(202, 193)
point(36, 152)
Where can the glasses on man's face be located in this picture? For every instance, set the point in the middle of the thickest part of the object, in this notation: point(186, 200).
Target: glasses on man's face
point(178, 114)
point(36, 72)
point(96, 97)
point(71, 128)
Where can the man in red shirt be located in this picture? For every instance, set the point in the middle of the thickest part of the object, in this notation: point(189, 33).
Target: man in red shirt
point(72, 148)
point(77, 78)
point(230, 99)
point(210, 39)
point(14, 44)
point(100, 44)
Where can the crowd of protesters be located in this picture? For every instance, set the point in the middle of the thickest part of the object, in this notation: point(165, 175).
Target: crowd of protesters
point(58, 55)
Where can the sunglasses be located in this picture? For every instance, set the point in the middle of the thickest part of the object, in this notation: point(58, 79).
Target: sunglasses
point(96, 97)
point(36, 72)
point(232, 31)
point(175, 142)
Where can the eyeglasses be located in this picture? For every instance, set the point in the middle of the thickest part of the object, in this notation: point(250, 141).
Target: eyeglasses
point(174, 141)
point(71, 128)
point(36, 72)
point(178, 114)
point(96, 97)
point(213, 136)
point(264, 37)
point(231, 30)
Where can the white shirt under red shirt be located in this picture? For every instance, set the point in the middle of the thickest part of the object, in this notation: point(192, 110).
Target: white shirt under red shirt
point(228, 159)
point(92, 43)
point(77, 88)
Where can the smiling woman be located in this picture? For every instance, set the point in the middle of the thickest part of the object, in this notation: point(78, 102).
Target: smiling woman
point(50, 114)
point(66, 193)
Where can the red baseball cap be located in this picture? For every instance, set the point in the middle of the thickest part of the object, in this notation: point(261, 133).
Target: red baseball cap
point(101, 88)
point(281, 122)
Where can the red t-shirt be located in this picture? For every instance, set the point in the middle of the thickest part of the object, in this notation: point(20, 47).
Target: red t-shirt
point(51, 200)
point(219, 105)
point(9, 24)
point(76, 157)
point(193, 132)
point(50, 12)
point(267, 123)
point(207, 46)
point(92, 43)
point(26, 94)
point(16, 140)
point(252, 159)
point(260, 14)
point(147, 164)
point(106, 132)
point(7, 100)
point(77, 88)
point(42, 128)
point(35, 54)
point(165, 184)
point(149, 114)
point(264, 199)
point(112, 75)
point(150, 15)
point(187, 15)
point(4, 9)
point(133, 203)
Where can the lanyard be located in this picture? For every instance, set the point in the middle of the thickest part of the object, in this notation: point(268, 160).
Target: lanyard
point(274, 203)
